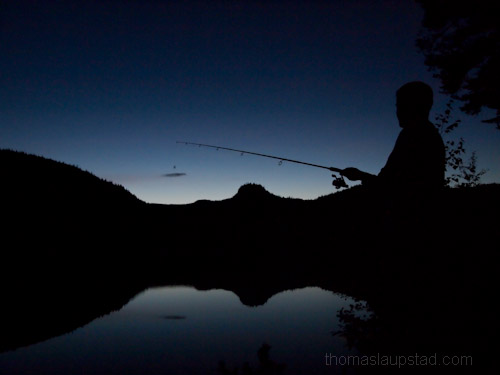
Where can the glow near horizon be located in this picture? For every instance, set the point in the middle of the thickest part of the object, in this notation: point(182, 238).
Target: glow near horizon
point(318, 89)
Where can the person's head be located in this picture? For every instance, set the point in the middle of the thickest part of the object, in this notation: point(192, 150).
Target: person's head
point(413, 102)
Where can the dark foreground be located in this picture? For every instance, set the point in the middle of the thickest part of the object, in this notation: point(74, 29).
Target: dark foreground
point(76, 247)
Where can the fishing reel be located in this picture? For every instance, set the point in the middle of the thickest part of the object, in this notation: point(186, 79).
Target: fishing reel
point(339, 182)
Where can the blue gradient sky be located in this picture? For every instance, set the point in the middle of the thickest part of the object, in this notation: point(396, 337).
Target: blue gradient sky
point(111, 85)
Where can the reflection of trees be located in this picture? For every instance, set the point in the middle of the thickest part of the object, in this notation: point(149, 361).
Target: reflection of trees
point(359, 327)
point(266, 365)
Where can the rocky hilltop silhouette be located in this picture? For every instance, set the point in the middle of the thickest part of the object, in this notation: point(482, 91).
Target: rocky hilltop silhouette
point(253, 192)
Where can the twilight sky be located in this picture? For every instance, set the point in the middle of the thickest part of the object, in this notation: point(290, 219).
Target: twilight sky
point(110, 86)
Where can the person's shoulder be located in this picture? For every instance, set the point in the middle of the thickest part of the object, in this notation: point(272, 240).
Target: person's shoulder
point(434, 130)
point(432, 137)
point(427, 129)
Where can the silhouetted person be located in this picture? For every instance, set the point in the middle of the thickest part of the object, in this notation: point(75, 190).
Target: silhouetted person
point(417, 161)
point(401, 204)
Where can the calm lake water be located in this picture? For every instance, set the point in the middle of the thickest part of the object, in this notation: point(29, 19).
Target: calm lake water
point(181, 330)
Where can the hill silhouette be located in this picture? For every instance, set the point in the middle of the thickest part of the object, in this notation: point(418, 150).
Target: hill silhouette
point(57, 214)
point(253, 192)
point(56, 206)
point(38, 180)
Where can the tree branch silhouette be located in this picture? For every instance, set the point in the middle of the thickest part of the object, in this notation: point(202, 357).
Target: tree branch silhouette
point(461, 44)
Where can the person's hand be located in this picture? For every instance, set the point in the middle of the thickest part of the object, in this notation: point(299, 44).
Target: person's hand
point(353, 174)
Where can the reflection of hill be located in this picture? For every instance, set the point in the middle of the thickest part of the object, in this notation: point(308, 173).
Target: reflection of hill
point(80, 246)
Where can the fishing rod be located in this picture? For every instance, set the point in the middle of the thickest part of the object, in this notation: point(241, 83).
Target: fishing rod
point(338, 182)
point(333, 169)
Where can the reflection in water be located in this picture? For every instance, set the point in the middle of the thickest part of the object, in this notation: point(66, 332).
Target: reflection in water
point(180, 330)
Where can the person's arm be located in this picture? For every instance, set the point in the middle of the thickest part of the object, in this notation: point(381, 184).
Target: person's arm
point(354, 174)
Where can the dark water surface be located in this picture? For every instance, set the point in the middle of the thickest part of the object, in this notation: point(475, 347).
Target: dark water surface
point(182, 330)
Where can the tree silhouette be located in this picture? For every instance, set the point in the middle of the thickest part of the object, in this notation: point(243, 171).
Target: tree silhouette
point(460, 172)
point(461, 44)
point(266, 365)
